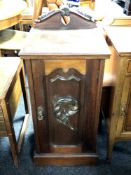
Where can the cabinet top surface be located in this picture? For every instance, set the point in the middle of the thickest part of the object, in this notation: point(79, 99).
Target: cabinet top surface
point(8, 68)
point(66, 42)
point(121, 39)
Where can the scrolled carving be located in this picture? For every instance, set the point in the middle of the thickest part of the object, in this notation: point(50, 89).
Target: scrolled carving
point(65, 11)
point(64, 108)
point(58, 77)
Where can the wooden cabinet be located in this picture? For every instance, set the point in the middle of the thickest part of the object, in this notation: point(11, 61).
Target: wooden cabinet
point(120, 121)
point(65, 73)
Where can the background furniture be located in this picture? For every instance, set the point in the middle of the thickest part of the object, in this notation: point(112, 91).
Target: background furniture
point(65, 80)
point(26, 20)
point(10, 14)
point(119, 121)
point(127, 8)
point(109, 80)
point(121, 21)
point(90, 3)
point(11, 88)
point(11, 41)
point(55, 4)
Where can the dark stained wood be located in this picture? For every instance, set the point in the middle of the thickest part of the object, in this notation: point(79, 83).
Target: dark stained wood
point(93, 97)
point(53, 20)
point(32, 100)
point(58, 133)
point(53, 137)
point(66, 159)
point(40, 100)
point(62, 72)
point(65, 148)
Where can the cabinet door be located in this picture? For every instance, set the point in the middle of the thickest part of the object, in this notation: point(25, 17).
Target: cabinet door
point(124, 122)
point(67, 95)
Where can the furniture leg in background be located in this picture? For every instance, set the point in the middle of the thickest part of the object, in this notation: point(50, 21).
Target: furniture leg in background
point(12, 86)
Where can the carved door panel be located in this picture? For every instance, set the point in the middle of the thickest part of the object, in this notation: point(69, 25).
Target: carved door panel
point(65, 97)
point(67, 93)
point(124, 122)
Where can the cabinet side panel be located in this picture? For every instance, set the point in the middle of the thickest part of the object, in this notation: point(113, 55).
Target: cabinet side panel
point(93, 90)
point(40, 100)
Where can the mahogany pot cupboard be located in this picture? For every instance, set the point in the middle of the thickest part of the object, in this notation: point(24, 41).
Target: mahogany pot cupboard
point(65, 73)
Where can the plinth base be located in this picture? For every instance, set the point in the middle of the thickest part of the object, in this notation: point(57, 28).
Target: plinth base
point(65, 159)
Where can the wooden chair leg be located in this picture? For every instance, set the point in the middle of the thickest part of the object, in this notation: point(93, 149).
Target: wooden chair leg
point(22, 132)
point(109, 150)
point(24, 89)
point(14, 150)
point(26, 104)
point(10, 132)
